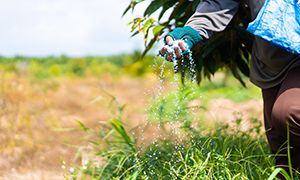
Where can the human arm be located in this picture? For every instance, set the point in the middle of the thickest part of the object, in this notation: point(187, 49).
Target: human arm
point(210, 16)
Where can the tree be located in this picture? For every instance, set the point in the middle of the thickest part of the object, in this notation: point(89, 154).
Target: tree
point(228, 49)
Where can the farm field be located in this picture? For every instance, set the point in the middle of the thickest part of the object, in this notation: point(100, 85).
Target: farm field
point(52, 107)
point(145, 90)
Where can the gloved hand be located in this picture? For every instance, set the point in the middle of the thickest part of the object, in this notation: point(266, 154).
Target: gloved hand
point(180, 41)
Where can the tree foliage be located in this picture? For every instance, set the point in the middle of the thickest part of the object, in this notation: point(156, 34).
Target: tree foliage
point(228, 49)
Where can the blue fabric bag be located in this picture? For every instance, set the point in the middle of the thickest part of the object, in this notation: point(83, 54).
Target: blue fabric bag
point(279, 22)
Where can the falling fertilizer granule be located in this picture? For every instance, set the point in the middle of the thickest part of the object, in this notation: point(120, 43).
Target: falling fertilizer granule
point(172, 49)
point(185, 55)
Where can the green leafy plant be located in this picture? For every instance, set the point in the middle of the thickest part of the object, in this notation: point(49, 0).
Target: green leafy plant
point(230, 48)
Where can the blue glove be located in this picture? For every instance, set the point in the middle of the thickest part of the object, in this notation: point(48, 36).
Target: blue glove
point(188, 34)
point(179, 43)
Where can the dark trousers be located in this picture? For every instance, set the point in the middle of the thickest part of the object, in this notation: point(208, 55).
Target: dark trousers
point(282, 109)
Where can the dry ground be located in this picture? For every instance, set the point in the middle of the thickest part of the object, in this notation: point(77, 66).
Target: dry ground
point(38, 119)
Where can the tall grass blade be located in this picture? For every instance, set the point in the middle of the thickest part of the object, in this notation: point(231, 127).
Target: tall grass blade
point(289, 152)
point(277, 171)
point(119, 128)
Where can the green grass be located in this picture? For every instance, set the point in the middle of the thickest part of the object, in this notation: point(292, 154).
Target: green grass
point(224, 152)
point(221, 154)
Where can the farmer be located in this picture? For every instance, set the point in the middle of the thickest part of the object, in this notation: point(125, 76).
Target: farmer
point(273, 69)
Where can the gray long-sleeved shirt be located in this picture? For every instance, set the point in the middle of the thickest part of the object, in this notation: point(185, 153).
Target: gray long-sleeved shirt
point(269, 64)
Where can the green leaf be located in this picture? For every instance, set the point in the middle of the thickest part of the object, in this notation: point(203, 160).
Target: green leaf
point(166, 6)
point(157, 29)
point(154, 6)
point(126, 10)
point(148, 25)
point(242, 65)
point(119, 128)
point(277, 171)
point(131, 6)
point(135, 33)
point(136, 23)
point(82, 126)
point(179, 10)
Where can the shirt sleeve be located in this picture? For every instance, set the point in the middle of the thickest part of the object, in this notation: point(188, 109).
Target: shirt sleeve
point(213, 16)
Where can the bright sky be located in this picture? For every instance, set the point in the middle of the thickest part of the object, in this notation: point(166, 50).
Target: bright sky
point(71, 27)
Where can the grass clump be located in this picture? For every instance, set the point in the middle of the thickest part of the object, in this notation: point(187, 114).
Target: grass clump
point(224, 153)
point(221, 154)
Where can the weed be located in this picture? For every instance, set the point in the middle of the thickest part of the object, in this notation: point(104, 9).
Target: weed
point(221, 154)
